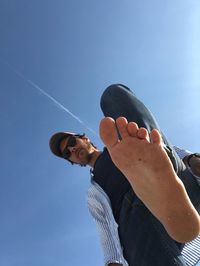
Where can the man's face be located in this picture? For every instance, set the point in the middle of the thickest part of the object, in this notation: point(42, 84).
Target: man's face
point(81, 152)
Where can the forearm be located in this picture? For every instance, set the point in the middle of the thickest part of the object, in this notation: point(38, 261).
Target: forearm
point(100, 209)
point(193, 162)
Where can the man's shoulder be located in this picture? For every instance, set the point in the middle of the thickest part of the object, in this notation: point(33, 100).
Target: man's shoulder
point(96, 193)
point(94, 188)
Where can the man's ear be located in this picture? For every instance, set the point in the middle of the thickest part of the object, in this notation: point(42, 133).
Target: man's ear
point(86, 138)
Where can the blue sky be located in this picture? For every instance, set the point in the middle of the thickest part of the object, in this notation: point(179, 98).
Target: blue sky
point(72, 50)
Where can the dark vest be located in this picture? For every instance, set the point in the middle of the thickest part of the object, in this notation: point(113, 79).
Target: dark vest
point(111, 180)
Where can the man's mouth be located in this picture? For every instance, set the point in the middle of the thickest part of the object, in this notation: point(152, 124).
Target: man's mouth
point(78, 152)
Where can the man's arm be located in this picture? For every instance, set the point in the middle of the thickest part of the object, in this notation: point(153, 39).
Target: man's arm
point(191, 162)
point(100, 209)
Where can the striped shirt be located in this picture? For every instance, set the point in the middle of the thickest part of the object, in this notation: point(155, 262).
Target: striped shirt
point(100, 208)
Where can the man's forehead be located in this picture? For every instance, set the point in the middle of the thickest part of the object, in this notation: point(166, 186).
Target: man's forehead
point(65, 139)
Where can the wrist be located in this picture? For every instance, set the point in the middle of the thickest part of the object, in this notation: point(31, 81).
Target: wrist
point(189, 157)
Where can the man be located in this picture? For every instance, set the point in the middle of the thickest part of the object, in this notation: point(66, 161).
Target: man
point(140, 205)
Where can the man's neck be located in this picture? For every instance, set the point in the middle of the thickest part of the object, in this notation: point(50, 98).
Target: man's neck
point(94, 157)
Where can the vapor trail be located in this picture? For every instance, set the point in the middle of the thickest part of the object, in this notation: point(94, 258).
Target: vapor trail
point(59, 105)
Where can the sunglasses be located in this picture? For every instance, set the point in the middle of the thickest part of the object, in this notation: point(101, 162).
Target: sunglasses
point(70, 143)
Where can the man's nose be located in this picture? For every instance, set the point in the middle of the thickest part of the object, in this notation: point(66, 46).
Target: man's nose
point(72, 149)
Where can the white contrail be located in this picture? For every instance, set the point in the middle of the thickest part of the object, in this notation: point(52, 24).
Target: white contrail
point(51, 98)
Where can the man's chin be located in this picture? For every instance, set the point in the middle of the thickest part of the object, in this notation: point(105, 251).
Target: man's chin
point(87, 160)
point(89, 157)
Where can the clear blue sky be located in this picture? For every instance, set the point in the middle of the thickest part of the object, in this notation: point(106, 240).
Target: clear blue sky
point(72, 50)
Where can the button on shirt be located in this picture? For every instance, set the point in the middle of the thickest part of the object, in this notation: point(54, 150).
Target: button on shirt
point(100, 208)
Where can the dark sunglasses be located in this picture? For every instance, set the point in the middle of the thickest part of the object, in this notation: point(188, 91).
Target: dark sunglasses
point(70, 143)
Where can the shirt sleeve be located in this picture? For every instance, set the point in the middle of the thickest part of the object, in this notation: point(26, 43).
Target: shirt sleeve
point(182, 153)
point(100, 209)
